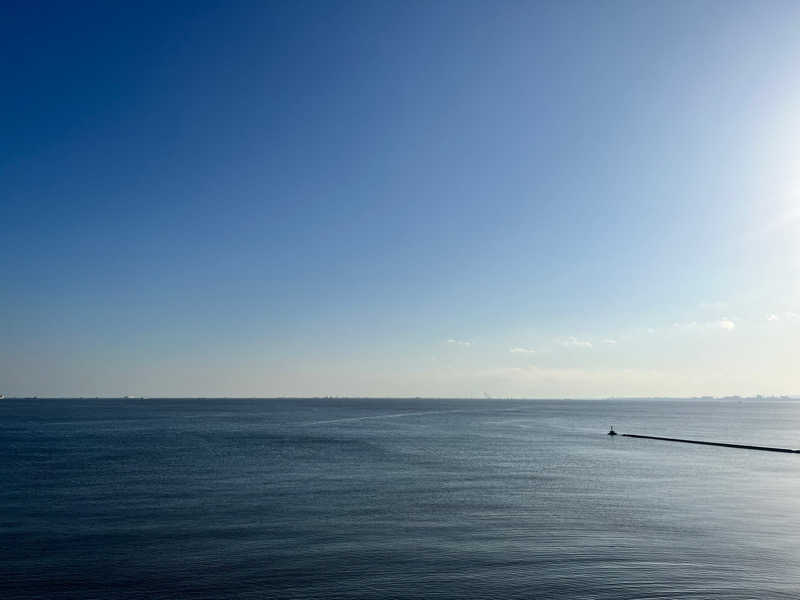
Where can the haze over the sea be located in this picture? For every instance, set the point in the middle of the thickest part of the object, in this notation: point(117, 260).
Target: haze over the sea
point(400, 199)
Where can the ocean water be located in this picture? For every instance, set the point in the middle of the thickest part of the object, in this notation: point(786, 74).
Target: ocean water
point(191, 499)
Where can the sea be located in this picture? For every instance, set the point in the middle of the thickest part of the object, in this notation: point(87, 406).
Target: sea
point(397, 498)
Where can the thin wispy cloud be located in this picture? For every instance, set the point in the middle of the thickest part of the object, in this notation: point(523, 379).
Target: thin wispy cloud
point(608, 381)
point(724, 324)
point(521, 350)
point(586, 381)
point(788, 316)
point(573, 342)
point(462, 343)
point(610, 342)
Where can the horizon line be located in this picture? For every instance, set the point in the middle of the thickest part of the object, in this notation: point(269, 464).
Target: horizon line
point(389, 397)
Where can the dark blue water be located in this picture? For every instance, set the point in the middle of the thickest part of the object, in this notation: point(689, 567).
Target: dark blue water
point(396, 499)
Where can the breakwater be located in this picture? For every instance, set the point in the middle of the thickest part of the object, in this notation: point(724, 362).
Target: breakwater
point(741, 446)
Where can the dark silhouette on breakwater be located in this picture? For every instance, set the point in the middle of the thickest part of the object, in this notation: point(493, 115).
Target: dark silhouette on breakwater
point(742, 446)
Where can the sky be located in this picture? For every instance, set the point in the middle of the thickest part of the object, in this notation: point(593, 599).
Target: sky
point(453, 199)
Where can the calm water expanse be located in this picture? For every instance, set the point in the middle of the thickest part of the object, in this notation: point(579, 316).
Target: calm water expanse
point(396, 499)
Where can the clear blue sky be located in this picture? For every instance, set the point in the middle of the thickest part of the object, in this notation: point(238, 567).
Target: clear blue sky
point(410, 198)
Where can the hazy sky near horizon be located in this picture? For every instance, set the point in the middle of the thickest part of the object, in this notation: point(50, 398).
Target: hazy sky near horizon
point(411, 198)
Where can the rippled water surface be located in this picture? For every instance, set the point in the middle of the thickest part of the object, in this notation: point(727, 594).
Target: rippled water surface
point(396, 499)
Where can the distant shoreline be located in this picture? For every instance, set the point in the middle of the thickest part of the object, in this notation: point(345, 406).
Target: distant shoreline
point(447, 398)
